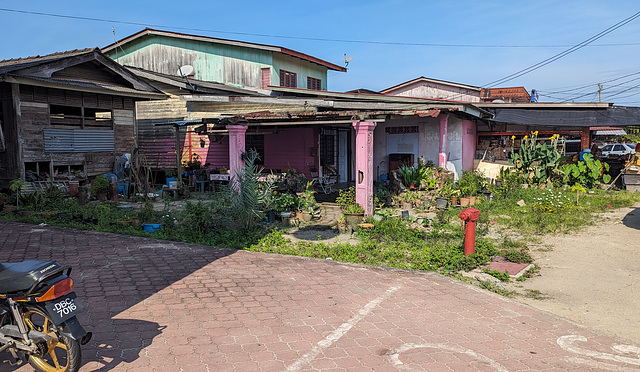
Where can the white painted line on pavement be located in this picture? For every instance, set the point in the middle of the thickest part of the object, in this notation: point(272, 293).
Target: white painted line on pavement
point(340, 331)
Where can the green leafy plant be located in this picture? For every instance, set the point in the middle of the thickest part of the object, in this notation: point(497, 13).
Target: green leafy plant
point(15, 187)
point(248, 196)
point(536, 160)
point(100, 186)
point(346, 197)
point(284, 202)
point(307, 201)
point(503, 276)
point(586, 172)
point(470, 183)
point(353, 209)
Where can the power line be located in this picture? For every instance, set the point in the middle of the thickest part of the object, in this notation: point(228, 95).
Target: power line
point(562, 54)
point(377, 42)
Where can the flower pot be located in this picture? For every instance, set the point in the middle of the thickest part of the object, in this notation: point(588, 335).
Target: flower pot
point(472, 200)
point(135, 222)
point(454, 200)
point(353, 220)
point(306, 216)
point(25, 213)
point(464, 202)
point(441, 203)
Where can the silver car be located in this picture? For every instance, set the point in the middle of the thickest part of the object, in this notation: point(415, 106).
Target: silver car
point(615, 150)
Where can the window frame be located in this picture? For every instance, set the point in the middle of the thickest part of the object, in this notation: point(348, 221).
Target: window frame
point(288, 79)
point(314, 83)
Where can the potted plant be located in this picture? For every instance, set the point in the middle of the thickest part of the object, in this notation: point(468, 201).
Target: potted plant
point(342, 224)
point(284, 204)
point(100, 187)
point(443, 194)
point(354, 213)
point(307, 203)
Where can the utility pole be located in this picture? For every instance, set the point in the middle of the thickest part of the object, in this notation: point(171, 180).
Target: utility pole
point(599, 92)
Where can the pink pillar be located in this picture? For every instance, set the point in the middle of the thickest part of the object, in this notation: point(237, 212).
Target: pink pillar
point(236, 147)
point(442, 158)
point(364, 165)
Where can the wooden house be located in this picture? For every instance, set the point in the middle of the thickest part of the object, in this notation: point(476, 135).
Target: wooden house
point(210, 78)
point(66, 114)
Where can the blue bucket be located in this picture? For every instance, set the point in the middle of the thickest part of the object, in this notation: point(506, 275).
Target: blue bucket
point(151, 227)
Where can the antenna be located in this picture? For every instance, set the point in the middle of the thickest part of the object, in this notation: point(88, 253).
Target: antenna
point(347, 59)
point(184, 72)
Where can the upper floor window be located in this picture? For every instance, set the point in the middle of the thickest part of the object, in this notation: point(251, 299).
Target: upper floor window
point(288, 79)
point(313, 83)
point(80, 116)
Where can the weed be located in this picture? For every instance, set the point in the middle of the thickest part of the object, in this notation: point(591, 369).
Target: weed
point(528, 274)
point(496, 288)
point(535, 294)
point(503, 276)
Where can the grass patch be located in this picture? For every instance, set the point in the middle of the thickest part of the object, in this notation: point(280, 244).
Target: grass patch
point(391, 243)
point(535, 294)
point(496, 288)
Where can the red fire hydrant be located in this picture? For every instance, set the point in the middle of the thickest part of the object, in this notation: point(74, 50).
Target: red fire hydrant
point(469, 216)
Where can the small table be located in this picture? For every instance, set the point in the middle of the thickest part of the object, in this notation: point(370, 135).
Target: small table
point(218, 178)
point(167, 190)
point(201, 186)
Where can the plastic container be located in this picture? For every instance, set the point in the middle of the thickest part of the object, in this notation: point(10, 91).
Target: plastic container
point(172, 183)
point(151, 227)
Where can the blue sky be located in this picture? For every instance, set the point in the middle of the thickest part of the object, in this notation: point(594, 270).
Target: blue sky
point(505, 37)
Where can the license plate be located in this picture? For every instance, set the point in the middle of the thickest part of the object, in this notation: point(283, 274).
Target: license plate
point(64, 308)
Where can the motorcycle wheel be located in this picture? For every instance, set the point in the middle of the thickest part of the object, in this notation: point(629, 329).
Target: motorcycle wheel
point(62, 355)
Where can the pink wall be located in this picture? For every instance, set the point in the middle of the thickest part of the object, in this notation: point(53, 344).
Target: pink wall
point(291, 149)
point(468, 144)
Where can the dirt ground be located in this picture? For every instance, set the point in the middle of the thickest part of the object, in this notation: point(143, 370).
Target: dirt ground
point(591, 277)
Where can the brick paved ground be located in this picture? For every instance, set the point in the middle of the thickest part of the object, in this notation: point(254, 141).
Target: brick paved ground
point(165, 306)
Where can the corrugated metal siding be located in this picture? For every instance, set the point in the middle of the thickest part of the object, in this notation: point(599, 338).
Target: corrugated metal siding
point(157, 144)
point(78, 140)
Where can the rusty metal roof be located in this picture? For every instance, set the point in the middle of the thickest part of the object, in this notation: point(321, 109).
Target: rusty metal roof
point(13, 64)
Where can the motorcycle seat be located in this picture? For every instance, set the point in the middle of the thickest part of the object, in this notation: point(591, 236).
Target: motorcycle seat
point(20, 276)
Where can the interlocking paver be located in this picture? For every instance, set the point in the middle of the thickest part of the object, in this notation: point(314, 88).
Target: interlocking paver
point(168, 306)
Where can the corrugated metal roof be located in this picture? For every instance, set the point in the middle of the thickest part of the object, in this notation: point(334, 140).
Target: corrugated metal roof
point(580, 117)
point(610, 132)
point(13, 64)
point(84, 86)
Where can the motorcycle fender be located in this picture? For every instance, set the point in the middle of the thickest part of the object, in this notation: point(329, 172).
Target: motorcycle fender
point(72, 328)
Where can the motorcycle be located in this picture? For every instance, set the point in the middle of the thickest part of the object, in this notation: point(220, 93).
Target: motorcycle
point(38, 311)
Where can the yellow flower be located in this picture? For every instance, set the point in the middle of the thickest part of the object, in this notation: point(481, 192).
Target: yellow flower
point(525, 137)
point(535, 133)
point(513, 137)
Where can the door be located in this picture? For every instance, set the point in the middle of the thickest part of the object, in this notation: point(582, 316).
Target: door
point(343, 167)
